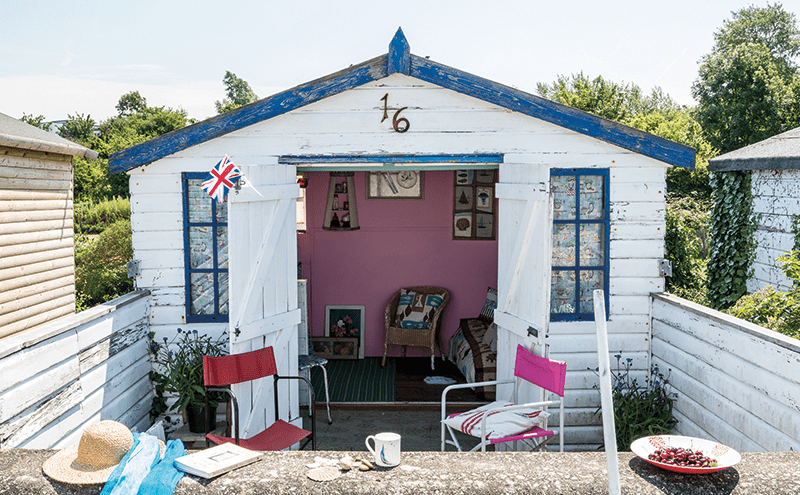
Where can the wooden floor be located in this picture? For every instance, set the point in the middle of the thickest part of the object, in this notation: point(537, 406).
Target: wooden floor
point(411, 387)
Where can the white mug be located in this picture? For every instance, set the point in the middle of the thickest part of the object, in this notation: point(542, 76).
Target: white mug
point(387, 449)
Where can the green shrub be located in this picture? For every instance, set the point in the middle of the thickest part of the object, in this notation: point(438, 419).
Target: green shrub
point(771, 308)
point(100, 271)
point(686, 241)
point(640, 410)
point(93, 218)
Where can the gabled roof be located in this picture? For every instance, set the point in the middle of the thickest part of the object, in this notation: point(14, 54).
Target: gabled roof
point(779, 152)
point(17, 134)
point(400, 60)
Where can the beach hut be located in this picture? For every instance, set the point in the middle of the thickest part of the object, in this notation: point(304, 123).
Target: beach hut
point(37, 262)
point(436, 177)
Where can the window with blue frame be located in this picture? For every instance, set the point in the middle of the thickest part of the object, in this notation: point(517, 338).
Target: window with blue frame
point(205, 234)
point(581, 228)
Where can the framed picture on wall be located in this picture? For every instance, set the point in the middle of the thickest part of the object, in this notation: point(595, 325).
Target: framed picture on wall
point(335, 347)
point(405, 184)
point(474, 212)
point(342, 321)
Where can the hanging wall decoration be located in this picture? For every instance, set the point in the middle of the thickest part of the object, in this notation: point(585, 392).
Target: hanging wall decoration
point(474, 210)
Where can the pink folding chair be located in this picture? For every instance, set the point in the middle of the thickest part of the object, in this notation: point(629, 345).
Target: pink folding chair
point(503, 421)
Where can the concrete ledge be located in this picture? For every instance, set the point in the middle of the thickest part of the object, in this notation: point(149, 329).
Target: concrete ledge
point(450, 473)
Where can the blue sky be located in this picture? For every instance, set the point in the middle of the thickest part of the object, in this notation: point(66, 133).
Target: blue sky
point(79, 56)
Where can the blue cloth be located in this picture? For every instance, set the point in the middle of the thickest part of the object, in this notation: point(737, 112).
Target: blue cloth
point(126, 478)
point(163, 478)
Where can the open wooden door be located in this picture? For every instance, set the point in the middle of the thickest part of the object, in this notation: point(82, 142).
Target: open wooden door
point(263, 286)
point(524, 257)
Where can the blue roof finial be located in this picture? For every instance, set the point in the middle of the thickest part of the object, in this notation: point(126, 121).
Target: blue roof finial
point(399, 54)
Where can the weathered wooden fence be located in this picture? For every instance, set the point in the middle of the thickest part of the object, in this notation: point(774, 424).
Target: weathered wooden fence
point(61, 377)
point(737, 383)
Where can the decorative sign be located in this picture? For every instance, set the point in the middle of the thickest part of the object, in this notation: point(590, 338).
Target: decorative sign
point(400, 124)
point(474, 211)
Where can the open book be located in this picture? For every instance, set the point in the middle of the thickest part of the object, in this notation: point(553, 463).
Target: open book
point(216, 460)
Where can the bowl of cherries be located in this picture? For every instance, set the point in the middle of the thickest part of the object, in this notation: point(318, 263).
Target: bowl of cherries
point(685, 454)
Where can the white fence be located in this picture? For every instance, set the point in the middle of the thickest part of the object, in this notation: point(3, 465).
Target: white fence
point(737, 383)
point(59, 378)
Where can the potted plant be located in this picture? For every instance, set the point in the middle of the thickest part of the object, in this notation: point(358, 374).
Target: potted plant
point(178, 370)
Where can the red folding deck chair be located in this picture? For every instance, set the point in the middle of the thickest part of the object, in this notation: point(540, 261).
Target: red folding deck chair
point(237, 368)
point(503, 421)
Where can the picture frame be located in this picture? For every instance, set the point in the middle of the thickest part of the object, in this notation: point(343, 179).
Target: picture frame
point(396, 184)
point(346, 321)
point(335, 347)
point(474, 209)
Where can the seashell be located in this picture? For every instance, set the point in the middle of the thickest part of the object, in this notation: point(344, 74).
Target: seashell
point(346, 463)
point(313, 465)
point(365, 465)
point(324, 473)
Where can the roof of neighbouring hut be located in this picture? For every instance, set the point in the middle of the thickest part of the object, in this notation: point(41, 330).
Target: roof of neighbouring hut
point(17, 134)
point(781, 152)
point(400, 60)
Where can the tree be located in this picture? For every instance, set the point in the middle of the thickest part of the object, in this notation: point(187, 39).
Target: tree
point(748, 86)
point(79, 129)
point(131, 103)
point(771, 27)
point(37, 121)
point(238, 91)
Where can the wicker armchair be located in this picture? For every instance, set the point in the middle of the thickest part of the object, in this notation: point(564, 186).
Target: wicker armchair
point(425, 337)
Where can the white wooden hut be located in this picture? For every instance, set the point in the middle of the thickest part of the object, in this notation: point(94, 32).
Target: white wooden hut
point(575, 202)
point(774, 165)
point(37, 264)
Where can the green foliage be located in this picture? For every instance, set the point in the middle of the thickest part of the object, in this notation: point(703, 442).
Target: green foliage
point(686, 241)
point(37, 121)
point(91, 180)
point(94, 218)
point(131, 103)
point(748, 87)
point(80, 129)
point(732, 243)
point(238, 93)
point(771, 308)
point(640, 410)
point(610, 100)
point(179, 369)
point(100, 271)
point(770, 26)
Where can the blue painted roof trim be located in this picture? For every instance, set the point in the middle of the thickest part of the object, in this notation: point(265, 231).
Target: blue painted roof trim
point(399, 54)
point(400, 60)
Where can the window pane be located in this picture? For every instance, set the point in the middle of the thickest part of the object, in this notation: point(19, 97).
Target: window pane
point(592, 200)
point(223, 293)
point(199, 202)
point(592, 249)
point(563, 187)
point(562, 293)
point(202, 290)
point(201, 254)
point(563, 244)
point(222, 212)
point(222, 247)
point(590, 280)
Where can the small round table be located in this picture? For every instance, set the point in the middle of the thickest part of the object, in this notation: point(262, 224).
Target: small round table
point(305, 363)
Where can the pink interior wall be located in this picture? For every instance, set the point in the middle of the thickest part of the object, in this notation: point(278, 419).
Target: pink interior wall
point(400, 243)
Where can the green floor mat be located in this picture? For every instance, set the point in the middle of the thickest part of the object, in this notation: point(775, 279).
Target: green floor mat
point(357, 380)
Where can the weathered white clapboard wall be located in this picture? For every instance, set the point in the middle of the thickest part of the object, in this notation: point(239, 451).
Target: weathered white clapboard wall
point(37, 272)
point(442, 122)
point(737, 383)
point(59, 378)
point(775, 202)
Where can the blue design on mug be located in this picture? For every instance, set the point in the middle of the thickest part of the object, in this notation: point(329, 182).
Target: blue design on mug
point(383, 456)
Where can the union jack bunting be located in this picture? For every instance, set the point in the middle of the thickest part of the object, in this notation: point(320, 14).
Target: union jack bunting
point(220, 179)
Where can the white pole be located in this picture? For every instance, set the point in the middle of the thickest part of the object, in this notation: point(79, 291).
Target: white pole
point(606, 403)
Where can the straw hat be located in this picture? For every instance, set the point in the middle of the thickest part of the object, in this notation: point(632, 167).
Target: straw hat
point(102, 447)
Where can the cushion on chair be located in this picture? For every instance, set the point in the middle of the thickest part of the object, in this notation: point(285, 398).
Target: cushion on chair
point(487, 313)
point(416, 310)
point(499, 424)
